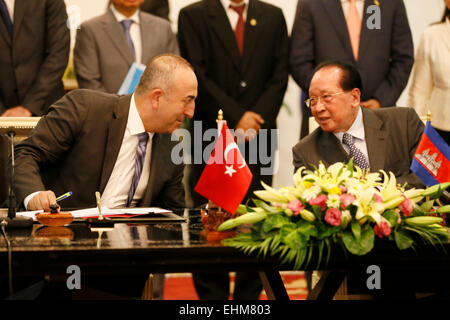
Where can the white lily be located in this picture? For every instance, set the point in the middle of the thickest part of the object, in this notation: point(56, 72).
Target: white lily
point(389, 189)
point(367, 206)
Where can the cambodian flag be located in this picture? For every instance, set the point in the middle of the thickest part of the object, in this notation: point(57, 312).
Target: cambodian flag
point(431, 161)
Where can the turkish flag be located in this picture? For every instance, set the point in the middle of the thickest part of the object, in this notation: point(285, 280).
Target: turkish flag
point(226, 177)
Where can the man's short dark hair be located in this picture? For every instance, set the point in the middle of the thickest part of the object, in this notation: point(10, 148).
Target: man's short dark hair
point(350, 76)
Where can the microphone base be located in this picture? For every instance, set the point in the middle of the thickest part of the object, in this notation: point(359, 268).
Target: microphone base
point(18, 222)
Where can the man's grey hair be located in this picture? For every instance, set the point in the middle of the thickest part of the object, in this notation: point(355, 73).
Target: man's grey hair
point(159, 73)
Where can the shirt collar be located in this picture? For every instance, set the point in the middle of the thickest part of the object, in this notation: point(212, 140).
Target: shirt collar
point(120, 17)
point(356, 130)
point(135, 124)
point(226, 3)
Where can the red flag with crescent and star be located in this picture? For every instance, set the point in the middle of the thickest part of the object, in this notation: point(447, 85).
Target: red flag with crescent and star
point(226, 177)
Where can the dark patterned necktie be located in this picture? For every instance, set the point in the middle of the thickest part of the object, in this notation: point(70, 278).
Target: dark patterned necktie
point(138, 165)
point(239, 30)
point(6, 17)
point(126, 24)
point(359, 158)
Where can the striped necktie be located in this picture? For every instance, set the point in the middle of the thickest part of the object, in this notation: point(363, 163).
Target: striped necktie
point(138, 165)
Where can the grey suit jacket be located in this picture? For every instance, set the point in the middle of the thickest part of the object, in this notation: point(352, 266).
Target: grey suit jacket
point(32, 63)
point(75, 146)
point(102, 57)
point(385, 58)
point(392, 136)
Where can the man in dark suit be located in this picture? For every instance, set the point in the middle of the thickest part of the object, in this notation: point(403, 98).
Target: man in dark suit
point(241, 61)
point(87, 139)
point(376, 139)
point(35, 44)
point(380, 47)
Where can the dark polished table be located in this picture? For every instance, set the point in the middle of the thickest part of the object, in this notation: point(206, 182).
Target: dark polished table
point(172, 247)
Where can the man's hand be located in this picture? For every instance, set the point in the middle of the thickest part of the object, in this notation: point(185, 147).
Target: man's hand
point(18, 111)
point(250, 124)
point(42, 200)
point(371, 104)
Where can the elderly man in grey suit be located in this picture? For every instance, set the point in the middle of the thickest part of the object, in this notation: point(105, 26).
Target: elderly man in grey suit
point(106, 46)
point(372, 35)
point(92, 141)
point(376, 139)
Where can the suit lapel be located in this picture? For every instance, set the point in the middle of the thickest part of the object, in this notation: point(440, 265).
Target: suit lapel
point(145, 39)
point(375, 136)
point(364, 38)
point(331, 149)
point(115, 32)
point(116, 131)
point(221, 26)
point(337, 18)
point(252, 31)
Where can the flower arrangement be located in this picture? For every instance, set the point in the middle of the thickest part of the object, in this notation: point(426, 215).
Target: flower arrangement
point(340, 204)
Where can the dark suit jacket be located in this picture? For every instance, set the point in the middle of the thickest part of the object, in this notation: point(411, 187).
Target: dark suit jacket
point(256, 81)
point(392, 136)
point(385, 56)
point(75, 146)
point(159, 8)
point(33, 62)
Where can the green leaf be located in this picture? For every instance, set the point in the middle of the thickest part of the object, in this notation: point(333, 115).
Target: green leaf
point(361, 247)
point(391, 216)
point(356, 229)
point(317, 212)
point(325, 231)
point(295, 240)
point(426, 206)
point(307, 228)
point(275, 221)
point(403, 239)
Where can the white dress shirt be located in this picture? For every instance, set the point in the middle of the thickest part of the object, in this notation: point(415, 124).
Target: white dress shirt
point(358, 133)
point(116, 191)
point(135, 31)
point(10, 6)
point(430, 80)
point(232, 15)
point(359, 6)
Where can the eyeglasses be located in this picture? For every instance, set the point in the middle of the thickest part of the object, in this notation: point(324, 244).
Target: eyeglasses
point(326, 98)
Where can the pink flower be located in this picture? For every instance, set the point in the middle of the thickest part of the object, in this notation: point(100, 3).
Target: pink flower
point(296, 206)
point(406, 206)
point(383, 229)
point(347, 199)
point(319, 201)
point(333, 216)
point(378, 198)
point(343, 189)
point(399, 219)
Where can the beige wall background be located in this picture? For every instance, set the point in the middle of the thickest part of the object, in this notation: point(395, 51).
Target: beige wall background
point(420, 14)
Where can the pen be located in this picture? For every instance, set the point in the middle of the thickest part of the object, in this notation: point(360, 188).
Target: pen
point(99, 205)
point(64, 196)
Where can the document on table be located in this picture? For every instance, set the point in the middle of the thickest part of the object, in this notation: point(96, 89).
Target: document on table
point(107, 212)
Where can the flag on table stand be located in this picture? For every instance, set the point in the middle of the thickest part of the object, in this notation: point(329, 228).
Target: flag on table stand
point(431, 162)
point(226, 177)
